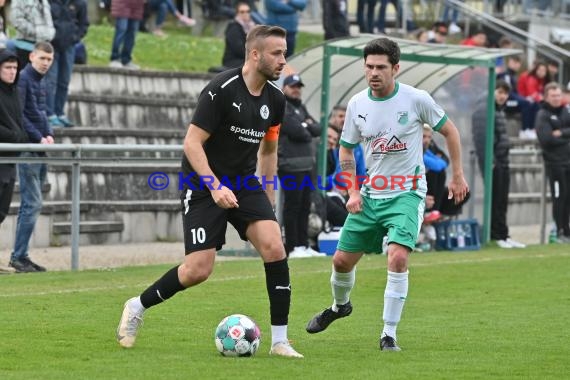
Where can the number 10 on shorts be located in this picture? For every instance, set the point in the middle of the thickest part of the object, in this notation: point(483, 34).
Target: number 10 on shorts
point(198, 235)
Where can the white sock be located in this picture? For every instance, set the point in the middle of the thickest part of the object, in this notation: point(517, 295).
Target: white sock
point(394, 298)
point(278, 334)
point(136, 305)
point(342, 284)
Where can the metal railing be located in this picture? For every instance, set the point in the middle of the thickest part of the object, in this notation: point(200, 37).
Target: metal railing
point(79, 155)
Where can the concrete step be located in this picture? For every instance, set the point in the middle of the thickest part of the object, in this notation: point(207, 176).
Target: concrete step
point(142, 83)
point(86, 227)
point(114, 182)
point(106, 135)
point(130, 111)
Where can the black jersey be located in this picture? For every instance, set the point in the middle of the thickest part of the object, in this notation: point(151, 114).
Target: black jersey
point(237, 122)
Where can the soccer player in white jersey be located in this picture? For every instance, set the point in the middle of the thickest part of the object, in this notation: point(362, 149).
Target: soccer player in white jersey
point(387, 120)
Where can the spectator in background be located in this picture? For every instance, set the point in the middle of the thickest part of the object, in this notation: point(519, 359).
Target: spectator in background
point(296, 161)
point(336, 118)
point(517, 103)
point(501, 171)
point(335, 19)
point(236, 31)
point(31, 176)
point(438, 33)
point(478, 38)
point(553, 70)
point(531, 86)
point(553, 130)
point(284, 13)
point(11, 125)
point(71, 23)
point(127, 14)
point(365, 22)
point(453, 27)
point(566, 95)
point(381, 23)
point(5, 42)
point(161, 8)
point(33, 23)
point(336, 209)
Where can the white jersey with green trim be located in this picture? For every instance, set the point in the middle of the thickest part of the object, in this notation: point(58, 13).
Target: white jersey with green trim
point(390, 130)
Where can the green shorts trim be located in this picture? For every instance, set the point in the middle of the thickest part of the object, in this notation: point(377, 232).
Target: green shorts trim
point(400, 218)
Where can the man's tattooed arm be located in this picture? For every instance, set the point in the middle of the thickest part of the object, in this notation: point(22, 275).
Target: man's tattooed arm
point(347, 165)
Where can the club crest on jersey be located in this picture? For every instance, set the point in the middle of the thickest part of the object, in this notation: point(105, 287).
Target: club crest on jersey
point(264, 112)
point(402, 117)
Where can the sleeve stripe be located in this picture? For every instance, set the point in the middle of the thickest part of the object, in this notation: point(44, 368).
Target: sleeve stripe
point(348, 145)
point(229, 81)
point(438, 126)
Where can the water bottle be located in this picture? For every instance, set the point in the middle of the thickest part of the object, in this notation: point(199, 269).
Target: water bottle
point(460, 236)
point(553, 235)
point(452, 236)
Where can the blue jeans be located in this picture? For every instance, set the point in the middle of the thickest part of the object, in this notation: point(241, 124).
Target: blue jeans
point(31, 177)
point(161, 7)
point(57, 80)
point(124, 40)
point(382, 13)
point(365, 24)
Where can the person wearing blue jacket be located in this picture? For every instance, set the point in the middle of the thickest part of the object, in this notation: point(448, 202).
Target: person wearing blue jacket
point(284, 13)
point(32, 92)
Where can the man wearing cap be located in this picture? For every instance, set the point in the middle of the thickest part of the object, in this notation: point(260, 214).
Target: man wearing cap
point(296, 161)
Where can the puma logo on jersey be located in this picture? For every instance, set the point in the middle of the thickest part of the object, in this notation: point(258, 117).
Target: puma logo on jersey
point(236, 106)
point(278, 287)
point(212, 95)
point(363, 117)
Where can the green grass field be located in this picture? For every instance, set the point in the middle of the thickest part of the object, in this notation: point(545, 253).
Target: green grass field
point(495, 314)
point(181, 51)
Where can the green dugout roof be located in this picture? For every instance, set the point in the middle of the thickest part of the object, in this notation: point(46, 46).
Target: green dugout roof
point(456, 76)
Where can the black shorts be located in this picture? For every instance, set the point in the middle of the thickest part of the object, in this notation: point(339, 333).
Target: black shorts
point(205, 223)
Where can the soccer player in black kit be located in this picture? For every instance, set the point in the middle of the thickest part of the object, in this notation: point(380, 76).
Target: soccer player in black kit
point(234, 129)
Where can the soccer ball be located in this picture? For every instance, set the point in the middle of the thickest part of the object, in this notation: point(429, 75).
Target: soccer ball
point(237, 335)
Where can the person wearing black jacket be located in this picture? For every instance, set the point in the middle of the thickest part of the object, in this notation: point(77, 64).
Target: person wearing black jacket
point(501, 172)
point(296, 161)
point(11, 130)
point(335, 19)
point(236, 31)
point(553, 132)
point(11, 125)
point(70, 23)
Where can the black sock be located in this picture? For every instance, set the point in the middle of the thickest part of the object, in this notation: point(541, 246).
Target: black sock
point(279, 290)
point(166, 286)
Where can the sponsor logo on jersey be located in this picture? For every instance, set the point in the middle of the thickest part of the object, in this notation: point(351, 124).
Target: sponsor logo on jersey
point(248, 135)
point(264, 112)
point(238, 106)
point(211, 95)
point(402, 117)
point(385, 146)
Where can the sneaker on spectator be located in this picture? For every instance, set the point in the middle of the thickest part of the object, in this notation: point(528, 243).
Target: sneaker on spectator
point(187, 20)
point(299, 252)
point(159, 33)
point(504, 244)
point(21, 266)
point(314, 253)
point(454, 28)
point(515, 244)
point(7, 269)
point(65, 121)
point(54, 122)
point(131, 66)
point(531, 134)
point(116, 64)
